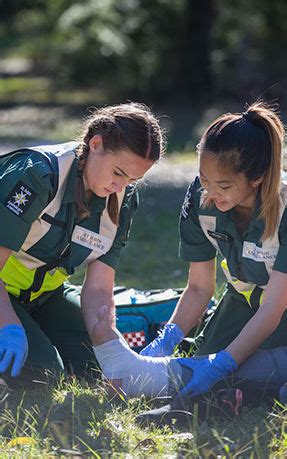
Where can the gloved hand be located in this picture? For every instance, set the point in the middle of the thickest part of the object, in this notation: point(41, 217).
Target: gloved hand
point(206, 371)
point(13, 348)
point(164, 344)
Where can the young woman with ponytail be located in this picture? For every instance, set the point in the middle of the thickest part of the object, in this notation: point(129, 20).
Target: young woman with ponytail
point(64, 206)
point(236, 207)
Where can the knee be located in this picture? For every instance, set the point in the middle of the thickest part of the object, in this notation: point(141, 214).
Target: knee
point(47, 360)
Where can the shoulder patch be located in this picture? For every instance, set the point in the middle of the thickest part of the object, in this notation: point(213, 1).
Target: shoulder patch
point(186, 205)
point(20, 199)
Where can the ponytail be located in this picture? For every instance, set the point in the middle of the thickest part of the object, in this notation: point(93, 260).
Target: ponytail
point(264, 116)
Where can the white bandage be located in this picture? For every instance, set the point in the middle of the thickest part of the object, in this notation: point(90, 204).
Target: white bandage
point(140, 374)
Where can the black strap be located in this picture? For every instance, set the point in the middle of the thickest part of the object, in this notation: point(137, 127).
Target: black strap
point(254, 297)
point(54, 221)
point(25, 295)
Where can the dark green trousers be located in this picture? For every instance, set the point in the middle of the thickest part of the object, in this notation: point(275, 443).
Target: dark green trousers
point(58, 340)
point(231, 315)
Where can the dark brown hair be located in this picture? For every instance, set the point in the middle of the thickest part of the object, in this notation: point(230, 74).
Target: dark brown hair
point(129, 126)
point(251, 142)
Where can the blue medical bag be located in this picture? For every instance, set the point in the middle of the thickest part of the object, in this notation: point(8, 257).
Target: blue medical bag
point(140, 314)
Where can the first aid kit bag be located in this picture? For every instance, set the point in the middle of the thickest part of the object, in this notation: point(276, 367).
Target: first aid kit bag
point(140, 314)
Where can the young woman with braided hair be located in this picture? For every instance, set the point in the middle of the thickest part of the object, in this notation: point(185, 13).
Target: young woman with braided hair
point(66, 206)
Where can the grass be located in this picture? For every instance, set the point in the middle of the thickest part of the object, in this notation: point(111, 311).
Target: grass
point(74, 419)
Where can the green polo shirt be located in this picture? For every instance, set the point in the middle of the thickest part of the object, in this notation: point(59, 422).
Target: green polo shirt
point(28, 180)
point(247, 266)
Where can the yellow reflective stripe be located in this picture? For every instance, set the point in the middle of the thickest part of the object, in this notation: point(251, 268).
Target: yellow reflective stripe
point(17, 277)
point(51, 282)
point(247, 295)
point(237, 284)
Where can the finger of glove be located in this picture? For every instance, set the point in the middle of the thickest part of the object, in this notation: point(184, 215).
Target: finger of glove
point(152, 351)
point(187, 390)
point(6, 360)
point(192, 389)
point(19, 361)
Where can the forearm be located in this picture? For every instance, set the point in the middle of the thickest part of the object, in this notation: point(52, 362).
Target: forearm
point(191, 307)
point(7, 313)
point(91, 301)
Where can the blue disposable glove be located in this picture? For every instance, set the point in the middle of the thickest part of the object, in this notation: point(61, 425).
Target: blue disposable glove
point(13, 348)
point(164, 344)
point(206, 371)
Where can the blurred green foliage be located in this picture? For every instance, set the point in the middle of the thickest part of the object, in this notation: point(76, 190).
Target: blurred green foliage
point(152, 49)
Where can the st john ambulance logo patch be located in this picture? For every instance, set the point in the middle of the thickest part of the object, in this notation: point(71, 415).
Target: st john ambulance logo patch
point(20, 199)
point(186, 205)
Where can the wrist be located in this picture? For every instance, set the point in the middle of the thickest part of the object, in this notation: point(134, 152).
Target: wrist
point(172, 336)
point(224, 361)
point(9, 320)
point(175, 330)
point(229, 358)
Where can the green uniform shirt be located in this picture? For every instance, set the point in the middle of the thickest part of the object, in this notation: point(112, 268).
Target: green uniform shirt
point(249, 260)
point(27, 185)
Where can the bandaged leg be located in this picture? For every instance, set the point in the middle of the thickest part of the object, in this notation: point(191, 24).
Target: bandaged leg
point(151, 376)
point(135, 374)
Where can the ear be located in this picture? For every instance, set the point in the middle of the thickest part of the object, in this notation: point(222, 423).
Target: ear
point(257, 182)
point(96, 142)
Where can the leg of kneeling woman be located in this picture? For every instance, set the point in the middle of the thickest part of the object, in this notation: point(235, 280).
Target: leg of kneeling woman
point(61, 319)
point(262, 375)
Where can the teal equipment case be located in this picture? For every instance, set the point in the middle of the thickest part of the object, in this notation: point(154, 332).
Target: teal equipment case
point(140, 314)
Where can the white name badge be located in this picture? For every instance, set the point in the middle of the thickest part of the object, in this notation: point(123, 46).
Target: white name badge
point(91, 240)
point(250, 250)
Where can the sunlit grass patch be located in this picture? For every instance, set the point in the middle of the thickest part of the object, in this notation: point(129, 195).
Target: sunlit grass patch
point(42, 90)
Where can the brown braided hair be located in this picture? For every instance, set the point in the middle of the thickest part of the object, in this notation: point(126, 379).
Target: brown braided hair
point(129, 126)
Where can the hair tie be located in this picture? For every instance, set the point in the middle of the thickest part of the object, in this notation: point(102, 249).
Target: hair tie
point(250, 116)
